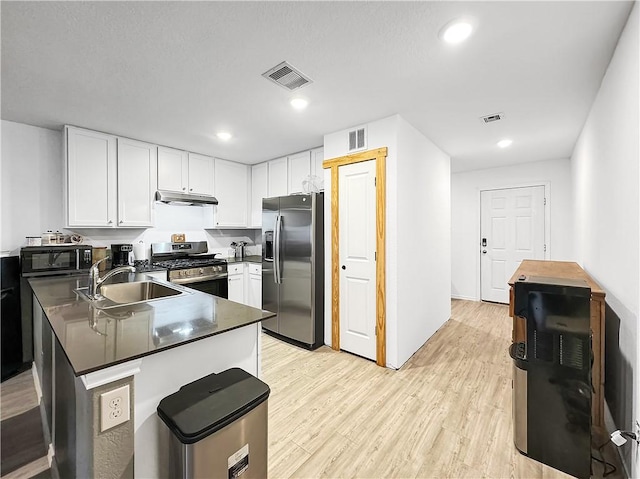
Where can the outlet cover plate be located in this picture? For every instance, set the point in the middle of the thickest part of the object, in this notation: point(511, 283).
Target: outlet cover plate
point(114, 408)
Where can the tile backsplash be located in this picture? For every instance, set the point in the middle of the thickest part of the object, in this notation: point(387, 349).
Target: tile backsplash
point(196, 222)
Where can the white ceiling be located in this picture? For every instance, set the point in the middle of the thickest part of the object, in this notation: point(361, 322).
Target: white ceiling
point(174, 73)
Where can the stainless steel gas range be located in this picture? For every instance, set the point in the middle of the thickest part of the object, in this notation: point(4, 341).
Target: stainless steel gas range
point(191, 265)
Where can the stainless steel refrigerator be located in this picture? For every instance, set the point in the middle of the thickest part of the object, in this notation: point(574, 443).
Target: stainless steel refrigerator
point(293, 268)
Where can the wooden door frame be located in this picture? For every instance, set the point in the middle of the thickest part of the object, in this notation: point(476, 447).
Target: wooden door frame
point(380, 156)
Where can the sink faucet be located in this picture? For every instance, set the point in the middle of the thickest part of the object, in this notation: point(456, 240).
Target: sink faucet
point(95, 281)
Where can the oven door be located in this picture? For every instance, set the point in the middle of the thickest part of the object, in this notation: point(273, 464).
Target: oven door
point(217, 287)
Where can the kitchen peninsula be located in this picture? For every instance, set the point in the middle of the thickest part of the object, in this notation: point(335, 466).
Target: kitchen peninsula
point(154, 347)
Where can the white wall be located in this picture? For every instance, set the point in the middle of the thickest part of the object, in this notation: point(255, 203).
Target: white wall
point(417, 186)
point(607, 210)
point(32, 172)
point(31, 168)
point(423, 239)
point(381, 133)
point(465, 215)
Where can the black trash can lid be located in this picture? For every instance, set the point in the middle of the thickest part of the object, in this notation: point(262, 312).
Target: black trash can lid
point(208, 404)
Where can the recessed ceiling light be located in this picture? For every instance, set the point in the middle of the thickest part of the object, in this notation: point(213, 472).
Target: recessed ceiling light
point(299, 103)
point(504, 143)
point(224, 135)
point(456, 31)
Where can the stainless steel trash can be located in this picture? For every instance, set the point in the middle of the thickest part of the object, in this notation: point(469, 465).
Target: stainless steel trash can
point(218, 427)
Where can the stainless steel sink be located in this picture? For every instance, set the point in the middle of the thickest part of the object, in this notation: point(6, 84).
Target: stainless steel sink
point(113, 295)
point(127, 293)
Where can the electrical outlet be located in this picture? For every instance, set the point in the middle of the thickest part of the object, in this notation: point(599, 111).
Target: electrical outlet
point(114, 408)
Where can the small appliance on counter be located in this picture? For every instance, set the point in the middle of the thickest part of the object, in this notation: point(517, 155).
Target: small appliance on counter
point(238, 249)
point(120, 254)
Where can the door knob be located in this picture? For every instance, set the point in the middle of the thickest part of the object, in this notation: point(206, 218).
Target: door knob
point(344, 267)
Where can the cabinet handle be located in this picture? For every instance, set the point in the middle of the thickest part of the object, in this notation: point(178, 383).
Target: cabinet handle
point(121, 221)
point(190, 189)
point(110, 222)
point(183, 188)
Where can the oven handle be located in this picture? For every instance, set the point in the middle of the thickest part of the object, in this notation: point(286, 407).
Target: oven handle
point(198, 279)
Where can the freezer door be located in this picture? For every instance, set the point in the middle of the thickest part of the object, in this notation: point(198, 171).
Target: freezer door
point(270, 301)
point(296, 282)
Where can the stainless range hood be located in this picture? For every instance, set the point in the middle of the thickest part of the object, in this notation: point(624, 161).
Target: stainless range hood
point(171, 197)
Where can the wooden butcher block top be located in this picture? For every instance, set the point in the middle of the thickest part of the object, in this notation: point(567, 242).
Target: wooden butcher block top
point(556, 269)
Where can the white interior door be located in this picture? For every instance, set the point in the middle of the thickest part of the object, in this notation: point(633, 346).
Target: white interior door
point(511, 229)
point(357, 225)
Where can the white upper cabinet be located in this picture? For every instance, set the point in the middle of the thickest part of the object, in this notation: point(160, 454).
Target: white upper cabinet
point(278, 178)
point(91, 183)
point(299, 170)
point(259, 190)
point(231, 191)
point(201, 174)
point(173, 170)
point(137, 182)
point(317, 157)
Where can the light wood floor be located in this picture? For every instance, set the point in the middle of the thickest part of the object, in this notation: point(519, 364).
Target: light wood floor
point(445, 413)
point(17, 396)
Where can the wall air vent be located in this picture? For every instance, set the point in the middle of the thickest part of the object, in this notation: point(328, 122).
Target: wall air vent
point(358, 139)
point(287, 76)
point(493, 117)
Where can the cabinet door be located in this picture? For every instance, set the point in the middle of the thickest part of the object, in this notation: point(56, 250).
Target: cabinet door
point(91, 179)
point(137, 179)
point(317, 157)
point(259, 189)
point(173, 170)
point(277, 178)
point(200, 174)
point(299, 169)
point(236, 287)
point(231, 192)
point(255, 291)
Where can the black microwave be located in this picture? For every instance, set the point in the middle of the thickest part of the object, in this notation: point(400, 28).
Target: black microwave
point(55, 259)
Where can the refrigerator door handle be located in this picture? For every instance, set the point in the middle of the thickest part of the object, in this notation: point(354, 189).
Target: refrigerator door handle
point(276, 250)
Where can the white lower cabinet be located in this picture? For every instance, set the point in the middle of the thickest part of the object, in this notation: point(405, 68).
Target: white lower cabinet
point(254, 288)
point(245, 284)
point(235, 280)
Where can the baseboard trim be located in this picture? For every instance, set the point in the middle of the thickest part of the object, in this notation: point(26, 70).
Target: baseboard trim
point(610, 426)
point(466, 298)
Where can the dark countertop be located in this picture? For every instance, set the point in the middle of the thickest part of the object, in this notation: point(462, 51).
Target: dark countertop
point(246, 259)
point(95, 339)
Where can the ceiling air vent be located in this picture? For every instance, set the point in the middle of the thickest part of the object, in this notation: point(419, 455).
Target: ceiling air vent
point(358, 139)
point(493, 117)
point(287, 77)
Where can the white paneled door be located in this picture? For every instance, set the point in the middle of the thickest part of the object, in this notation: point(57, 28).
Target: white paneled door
point(357, 223)
point(511, 230)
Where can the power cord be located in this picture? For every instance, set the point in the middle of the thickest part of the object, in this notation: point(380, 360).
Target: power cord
point(602, 461)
